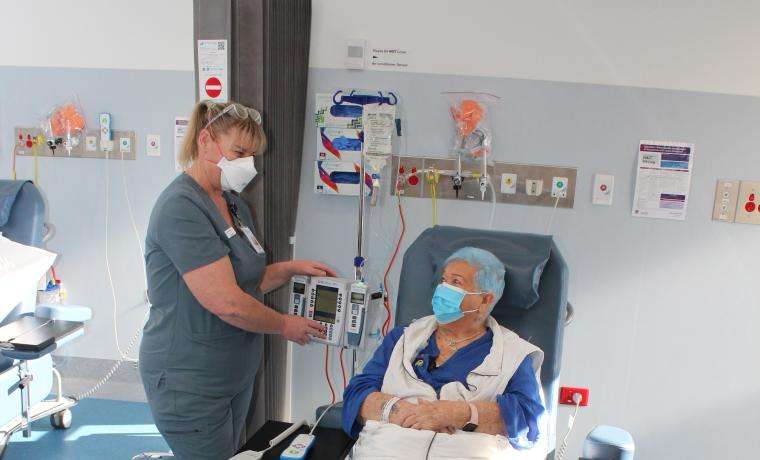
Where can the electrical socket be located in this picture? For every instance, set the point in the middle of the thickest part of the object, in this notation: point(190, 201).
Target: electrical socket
point(534, 187)
point(566, 395)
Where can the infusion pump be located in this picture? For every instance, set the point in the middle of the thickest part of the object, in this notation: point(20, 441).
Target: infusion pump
point(347, 309)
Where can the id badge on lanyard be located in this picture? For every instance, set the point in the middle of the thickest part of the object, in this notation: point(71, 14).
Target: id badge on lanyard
point(252, 239)
point(246, 231)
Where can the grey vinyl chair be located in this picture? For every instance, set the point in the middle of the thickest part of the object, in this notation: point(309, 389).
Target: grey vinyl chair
point(534, 304)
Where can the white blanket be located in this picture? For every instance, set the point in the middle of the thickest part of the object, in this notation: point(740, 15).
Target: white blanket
point(21, 268)
point(388, 441)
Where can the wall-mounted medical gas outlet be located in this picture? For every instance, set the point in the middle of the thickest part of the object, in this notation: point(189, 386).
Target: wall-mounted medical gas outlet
point(559, 187)
point(748, 210)
point(566, 395)
point(31, 142)
point(509, 183)
point(726, 198)
point(534, 187)
point(508, 179)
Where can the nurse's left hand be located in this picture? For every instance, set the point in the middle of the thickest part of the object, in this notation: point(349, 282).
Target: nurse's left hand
point(310, 268)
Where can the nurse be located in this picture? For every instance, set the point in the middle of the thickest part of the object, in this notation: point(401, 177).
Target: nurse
point(203, 343)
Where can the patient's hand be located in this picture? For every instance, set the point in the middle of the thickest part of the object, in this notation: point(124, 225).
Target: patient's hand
point(440, 416)
point(401, 411)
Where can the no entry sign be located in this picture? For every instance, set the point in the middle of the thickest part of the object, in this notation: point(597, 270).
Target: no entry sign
point(213, 87)
point(212, 70)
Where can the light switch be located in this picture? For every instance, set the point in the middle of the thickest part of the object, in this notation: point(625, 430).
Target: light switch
point(726, 197)
point(534, 187)
point(153, 145)
point(604, 186)
point(509, 183)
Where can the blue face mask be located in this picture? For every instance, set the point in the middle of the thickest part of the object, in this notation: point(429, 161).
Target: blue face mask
point(447, 303)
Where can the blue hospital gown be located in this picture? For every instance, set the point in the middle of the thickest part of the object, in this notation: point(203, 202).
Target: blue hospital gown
point(520, 404)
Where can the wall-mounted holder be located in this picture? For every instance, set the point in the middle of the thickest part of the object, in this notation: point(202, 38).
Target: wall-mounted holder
point(30, 142)
point(510, 181)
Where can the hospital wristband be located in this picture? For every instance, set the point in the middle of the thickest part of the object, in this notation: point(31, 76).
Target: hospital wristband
point(387, 408)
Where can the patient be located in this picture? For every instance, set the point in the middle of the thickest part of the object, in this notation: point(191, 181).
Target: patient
point(455, 384)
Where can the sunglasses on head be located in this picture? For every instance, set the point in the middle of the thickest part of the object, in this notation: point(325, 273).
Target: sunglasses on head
point(238, 111)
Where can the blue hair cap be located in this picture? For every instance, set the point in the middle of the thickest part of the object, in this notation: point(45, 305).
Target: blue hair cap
point(490, 272)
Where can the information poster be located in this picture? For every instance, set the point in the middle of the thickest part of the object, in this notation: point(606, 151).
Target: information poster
point(212, 70)
point(180, 129)
point(663, 179)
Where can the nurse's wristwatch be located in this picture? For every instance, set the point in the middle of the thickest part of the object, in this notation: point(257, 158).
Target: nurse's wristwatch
point(472, 425)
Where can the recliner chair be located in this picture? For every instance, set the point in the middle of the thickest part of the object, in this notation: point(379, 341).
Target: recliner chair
point(29, 332)
point(534, 304)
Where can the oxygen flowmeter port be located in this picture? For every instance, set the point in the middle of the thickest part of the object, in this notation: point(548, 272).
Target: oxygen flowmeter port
point(559, 187)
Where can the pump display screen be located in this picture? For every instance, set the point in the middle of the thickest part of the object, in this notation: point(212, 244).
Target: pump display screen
point(299, 288)
point(325, 304)
point(357, 297)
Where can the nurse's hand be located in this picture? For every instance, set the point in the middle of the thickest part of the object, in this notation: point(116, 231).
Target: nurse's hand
point(300, 330)
point(310, 268)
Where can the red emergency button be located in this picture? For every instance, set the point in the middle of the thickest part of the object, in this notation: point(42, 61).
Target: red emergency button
point(414, 180)
point(603, 187)
point(750, 206)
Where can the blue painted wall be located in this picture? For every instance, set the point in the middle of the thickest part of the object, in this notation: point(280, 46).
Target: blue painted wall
point(666, 312)
point(144, 101)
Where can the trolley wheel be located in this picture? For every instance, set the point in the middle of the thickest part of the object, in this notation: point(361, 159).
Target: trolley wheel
point(61, 420)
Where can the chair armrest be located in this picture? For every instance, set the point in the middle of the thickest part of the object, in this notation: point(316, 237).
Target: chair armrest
point(334, 418)
point(64, 312)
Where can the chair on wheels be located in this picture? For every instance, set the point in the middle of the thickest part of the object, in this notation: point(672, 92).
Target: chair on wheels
point(30, 332)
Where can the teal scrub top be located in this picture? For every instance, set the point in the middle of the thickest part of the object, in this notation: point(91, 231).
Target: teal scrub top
point(184, 344)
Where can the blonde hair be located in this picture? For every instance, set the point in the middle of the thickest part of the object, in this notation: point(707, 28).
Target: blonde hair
point(205, 111)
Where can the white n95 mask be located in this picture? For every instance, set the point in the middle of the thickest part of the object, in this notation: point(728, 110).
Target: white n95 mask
point(237, 173)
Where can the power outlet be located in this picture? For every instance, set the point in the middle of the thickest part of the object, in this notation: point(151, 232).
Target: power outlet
point(748, 211)
point(534, 187)
point(726, 197)
point(566, 395)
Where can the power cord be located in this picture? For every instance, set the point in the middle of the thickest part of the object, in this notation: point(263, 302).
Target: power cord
point(327, 373)
point(551, 218)
point(134, 339)
point(577, 398)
